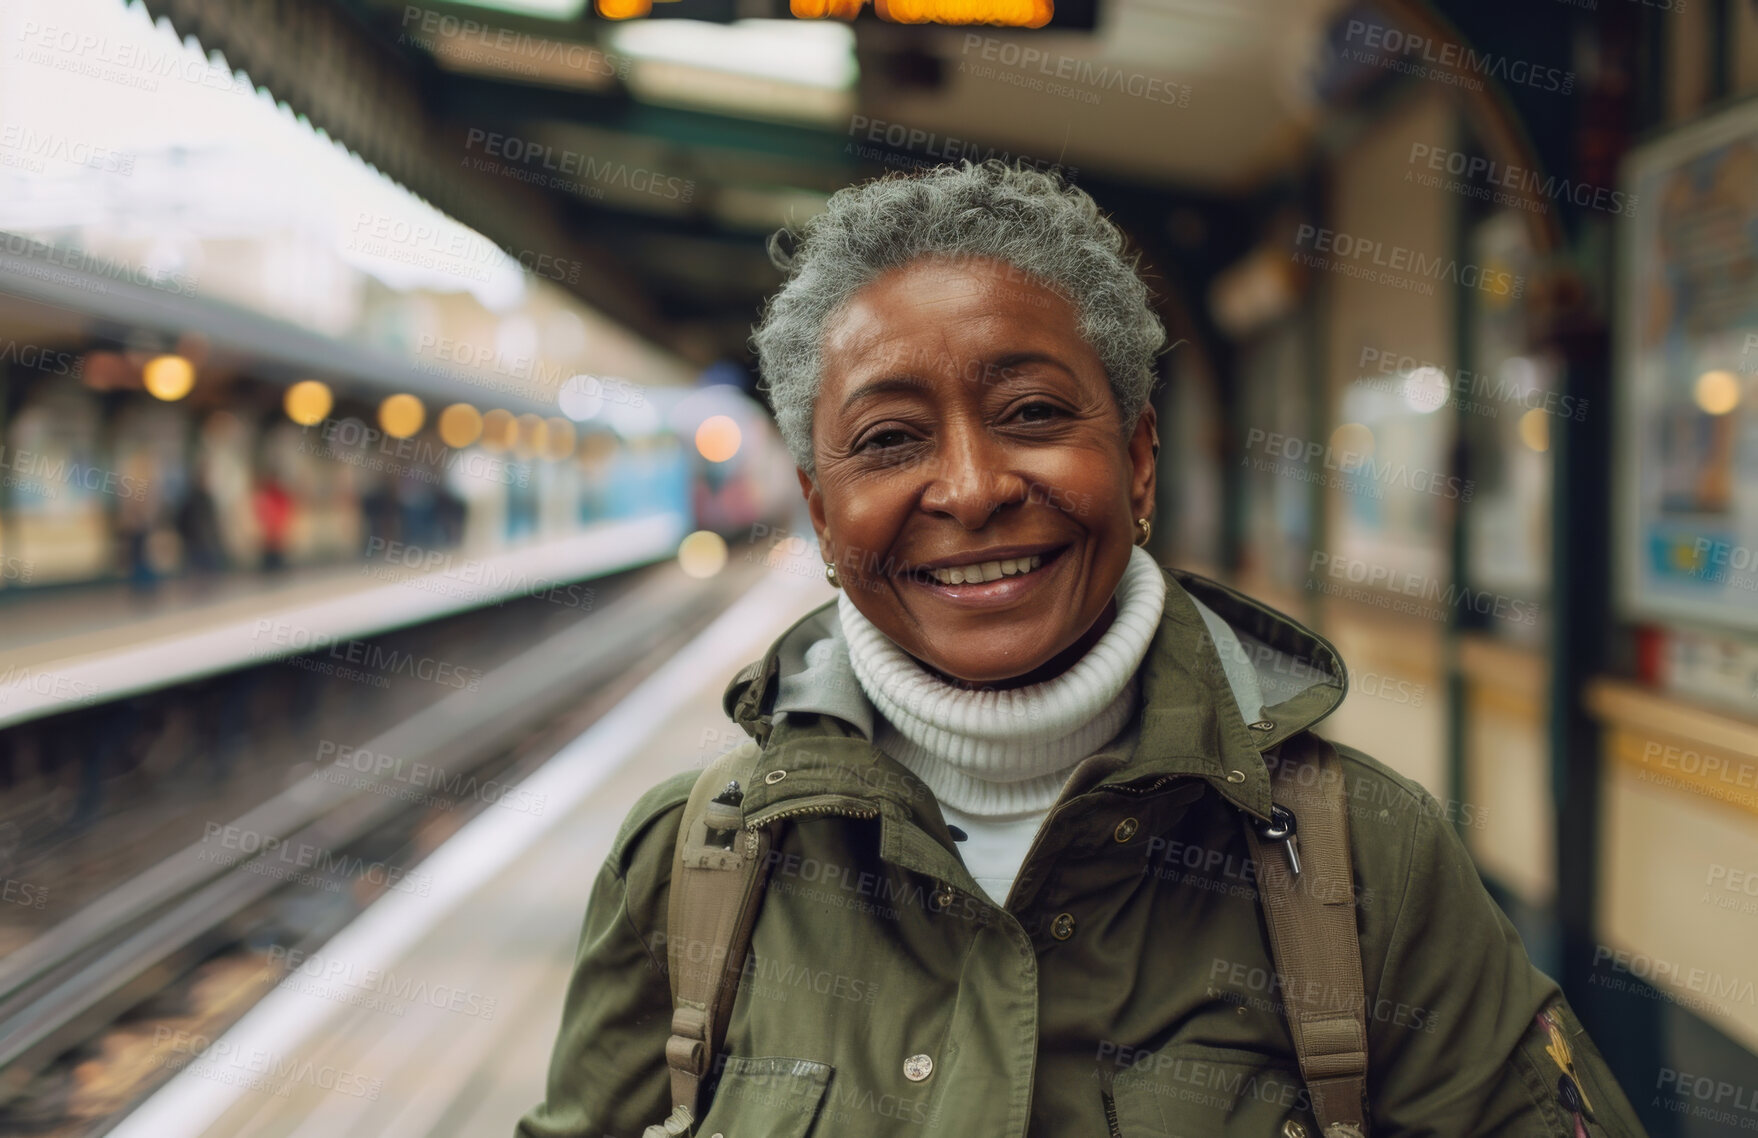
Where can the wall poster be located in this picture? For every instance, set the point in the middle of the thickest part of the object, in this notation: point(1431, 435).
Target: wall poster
point(1686, 456)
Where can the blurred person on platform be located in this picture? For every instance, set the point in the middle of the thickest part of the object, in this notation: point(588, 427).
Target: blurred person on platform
point(139, 516)
point(273, 507)
point(198, 524)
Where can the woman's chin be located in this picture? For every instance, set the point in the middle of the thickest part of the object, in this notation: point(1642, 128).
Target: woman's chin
point(1000, 667)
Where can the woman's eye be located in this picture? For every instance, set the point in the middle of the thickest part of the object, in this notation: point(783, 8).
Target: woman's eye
point(1039, 412)
point(884, 440)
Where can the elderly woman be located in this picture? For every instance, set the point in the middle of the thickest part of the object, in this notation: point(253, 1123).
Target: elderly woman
point(1029, 863)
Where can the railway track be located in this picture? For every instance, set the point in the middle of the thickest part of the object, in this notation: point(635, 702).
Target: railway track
point(91, 1006)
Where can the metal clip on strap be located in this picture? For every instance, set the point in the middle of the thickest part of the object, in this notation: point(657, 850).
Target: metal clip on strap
point(1314, 941)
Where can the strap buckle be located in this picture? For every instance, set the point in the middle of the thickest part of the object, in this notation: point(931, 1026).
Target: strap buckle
point(678, 1122)
point(687, 1049)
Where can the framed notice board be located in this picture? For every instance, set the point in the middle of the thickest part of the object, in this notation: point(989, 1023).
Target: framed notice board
point(1686, 459)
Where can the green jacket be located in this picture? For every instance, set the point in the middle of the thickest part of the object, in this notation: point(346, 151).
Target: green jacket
point(1126, 989)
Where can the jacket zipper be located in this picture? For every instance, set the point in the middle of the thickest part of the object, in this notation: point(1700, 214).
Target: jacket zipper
point(1111, 1115)
point(814, 811)
point(1124, 788)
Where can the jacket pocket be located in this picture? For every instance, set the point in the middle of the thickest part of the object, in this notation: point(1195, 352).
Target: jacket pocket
point(1132, 1118)
point(1568, 1079)
point(1212, 1091)
point(774, 1097)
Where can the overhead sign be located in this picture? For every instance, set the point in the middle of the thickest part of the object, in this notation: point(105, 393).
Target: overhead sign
point(995, 13)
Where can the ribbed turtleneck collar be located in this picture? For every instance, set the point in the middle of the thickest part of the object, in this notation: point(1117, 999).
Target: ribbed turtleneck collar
point(1000, 753)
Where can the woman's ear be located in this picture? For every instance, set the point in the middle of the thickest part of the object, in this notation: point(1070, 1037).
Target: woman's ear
point(814, 508)
point(1144, 450)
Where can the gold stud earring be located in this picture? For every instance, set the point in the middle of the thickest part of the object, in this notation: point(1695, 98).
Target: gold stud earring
point(1147, 531)
point(830, 575)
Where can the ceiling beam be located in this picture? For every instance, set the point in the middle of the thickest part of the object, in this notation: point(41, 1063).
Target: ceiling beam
point(333, 69)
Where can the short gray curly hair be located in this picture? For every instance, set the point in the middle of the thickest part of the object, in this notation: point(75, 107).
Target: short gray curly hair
point(1050, 230)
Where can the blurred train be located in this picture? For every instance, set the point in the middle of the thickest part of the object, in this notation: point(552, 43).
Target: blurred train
point(123, 457)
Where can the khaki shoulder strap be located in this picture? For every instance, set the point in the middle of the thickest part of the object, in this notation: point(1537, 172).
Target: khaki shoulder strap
point(716, 889)
point(1313, 938)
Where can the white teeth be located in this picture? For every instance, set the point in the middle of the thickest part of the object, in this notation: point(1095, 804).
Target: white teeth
point(986, 571)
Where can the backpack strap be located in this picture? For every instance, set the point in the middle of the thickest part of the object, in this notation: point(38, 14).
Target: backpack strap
point(1313, 938)
point(716, 889)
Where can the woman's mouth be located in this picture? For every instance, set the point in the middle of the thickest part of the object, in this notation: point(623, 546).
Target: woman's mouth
point(978, 573)
point(1001, 579)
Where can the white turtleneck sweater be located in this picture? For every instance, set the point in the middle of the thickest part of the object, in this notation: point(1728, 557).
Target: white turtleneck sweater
point(997, 760)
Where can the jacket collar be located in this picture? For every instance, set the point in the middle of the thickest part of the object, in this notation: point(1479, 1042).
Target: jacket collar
point(803, 703)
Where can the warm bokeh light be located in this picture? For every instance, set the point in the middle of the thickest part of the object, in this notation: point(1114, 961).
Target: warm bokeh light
point(401, 416)
point(819, 9)
point(1717, 392)
point(460, 425)
point(1535, 429)
point(623, 9)
point(499, 430)
point(532, 436)
point(308, 401)
point(558, 438)
point(1002, 13)
point(702, 554)
point(1351, 445)
point(718, 438)
point(169, 377)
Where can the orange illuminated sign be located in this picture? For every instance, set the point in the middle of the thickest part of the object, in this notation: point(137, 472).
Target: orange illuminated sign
point(1004, 13)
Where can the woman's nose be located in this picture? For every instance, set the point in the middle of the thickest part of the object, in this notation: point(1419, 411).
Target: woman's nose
point(968, 479)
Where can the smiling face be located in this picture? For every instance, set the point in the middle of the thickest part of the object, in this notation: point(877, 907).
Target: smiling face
point(975, 488)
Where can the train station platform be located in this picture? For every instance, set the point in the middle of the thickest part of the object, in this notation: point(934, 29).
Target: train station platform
point(92, 644)
point(433, 1014)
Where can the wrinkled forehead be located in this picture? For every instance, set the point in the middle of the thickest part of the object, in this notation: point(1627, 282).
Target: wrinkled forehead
point(942, 314)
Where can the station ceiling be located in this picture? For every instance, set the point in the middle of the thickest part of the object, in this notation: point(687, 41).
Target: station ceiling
point(558, 137)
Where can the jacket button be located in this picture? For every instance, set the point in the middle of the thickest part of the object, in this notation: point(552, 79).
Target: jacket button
point(942, 899)
point(774, 777)
point(918, 1067)
point(1126, 829)
point(1293, 1129)
point(1063, 926)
